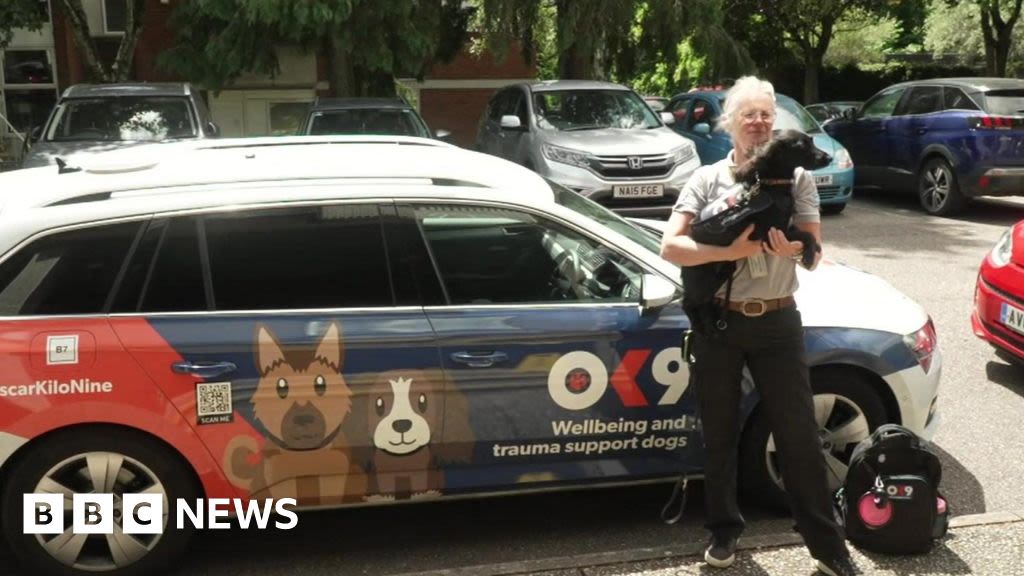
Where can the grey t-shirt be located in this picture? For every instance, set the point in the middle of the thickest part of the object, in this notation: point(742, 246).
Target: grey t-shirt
point(712, 188)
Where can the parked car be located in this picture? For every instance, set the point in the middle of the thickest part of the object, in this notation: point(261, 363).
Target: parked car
point(596, 138)
point(948, 140)
point(102, 117)
point(998, 316)
point(379, 116)
point(696, 116)
point(825, 112)
point(252, 318)
point(657, 103)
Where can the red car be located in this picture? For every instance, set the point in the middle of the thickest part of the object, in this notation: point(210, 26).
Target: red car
point(999, 297)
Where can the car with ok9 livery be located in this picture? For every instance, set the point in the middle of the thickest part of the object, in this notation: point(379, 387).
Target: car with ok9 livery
point(257, 320)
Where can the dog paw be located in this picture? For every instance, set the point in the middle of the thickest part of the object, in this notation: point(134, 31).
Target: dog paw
point(427, 494)
point(380, 498)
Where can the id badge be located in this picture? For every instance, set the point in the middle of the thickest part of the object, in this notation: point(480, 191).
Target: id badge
point(758, 266)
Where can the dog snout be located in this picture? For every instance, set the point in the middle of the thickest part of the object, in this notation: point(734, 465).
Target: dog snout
point(303, 419)
point(402, 426)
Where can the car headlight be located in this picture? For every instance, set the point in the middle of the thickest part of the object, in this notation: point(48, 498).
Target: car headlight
point(682, 154)
point(922, 343)
point(843, 159)
point(1003, 249)
point(566, 155)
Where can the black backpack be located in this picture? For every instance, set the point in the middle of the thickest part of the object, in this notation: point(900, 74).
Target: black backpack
point(891, 501)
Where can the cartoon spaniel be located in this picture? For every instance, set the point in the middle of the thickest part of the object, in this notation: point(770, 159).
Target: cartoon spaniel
point(407, 411)
point(301, 401)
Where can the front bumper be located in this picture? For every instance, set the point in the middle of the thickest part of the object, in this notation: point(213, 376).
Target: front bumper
point(985, 320)
point(917, 394)
point(600, 189)
point(841, 188)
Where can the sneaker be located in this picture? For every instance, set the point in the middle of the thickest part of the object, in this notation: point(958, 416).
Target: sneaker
point(721, 552)
point(842, 566)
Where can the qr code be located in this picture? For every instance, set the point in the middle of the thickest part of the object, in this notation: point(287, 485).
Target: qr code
point(213, 398)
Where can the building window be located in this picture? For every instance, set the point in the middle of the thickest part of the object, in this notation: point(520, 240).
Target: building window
point(115, 16)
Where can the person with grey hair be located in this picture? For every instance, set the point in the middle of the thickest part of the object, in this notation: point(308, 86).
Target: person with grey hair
point(761, 329)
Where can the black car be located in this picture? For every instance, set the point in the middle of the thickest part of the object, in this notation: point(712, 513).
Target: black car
point(378, 116)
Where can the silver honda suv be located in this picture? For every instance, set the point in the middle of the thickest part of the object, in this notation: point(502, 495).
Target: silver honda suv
point(597, 138)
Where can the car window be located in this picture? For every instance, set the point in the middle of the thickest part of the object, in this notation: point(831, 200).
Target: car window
point(955, 99)
point(922, 100)
point(882, 106)
point(69, 272)
point(679, 109)
point(604, 216)
point(293, 258)
point(488, 255)
point(386, 122)
point(165, 273)
point(127, 118)
point(498, 105)
point(572, 110)
point(703, 113)
point(1005, 102)
point(790, 115)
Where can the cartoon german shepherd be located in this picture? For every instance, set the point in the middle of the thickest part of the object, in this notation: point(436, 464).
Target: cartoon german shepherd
point(301, 400)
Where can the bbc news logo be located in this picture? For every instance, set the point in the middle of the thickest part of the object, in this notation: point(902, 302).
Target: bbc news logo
point(144, 514)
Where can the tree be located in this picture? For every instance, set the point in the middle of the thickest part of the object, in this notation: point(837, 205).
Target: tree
point(862, 38)
point(805, 28)
point(27, 14)
point(613, 38)
point(997, 32)
point(953, 30)
point(366, 43)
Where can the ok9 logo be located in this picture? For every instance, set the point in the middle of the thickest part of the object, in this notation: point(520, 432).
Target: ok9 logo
point(579, 379)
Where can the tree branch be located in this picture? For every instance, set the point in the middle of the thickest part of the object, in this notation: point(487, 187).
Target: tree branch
point(121, 70)
point(83, 38)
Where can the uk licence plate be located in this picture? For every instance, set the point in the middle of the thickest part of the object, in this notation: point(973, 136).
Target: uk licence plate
point(823, 180)
point(1011, 317)
point(638, 191)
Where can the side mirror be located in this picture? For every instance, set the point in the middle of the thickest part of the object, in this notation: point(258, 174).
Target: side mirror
point(444, 135)
point(213, 129)
point(34, 135)
point(656, 292)
point(511, 122)
point(849, 113)
point(668, 117)
point(703, 129)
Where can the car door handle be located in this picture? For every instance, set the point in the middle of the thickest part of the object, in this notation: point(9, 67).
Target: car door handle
point(922, 130)
point(203, 369)
point(479, 359)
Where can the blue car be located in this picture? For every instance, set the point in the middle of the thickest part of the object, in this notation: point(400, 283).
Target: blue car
point(948, 140)
point(696, 118)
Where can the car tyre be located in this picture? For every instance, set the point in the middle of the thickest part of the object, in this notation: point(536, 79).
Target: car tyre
point(141, 463)
point(938, 190)
point(847, 409)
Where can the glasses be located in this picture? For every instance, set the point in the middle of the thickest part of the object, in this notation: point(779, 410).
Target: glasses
point(753, 115)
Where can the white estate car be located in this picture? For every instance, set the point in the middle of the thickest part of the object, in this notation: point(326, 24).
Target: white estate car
point(350, 320)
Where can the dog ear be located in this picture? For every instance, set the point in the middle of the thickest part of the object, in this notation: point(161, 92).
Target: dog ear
point(458, 434)
point(268, 350)
point(331, 348)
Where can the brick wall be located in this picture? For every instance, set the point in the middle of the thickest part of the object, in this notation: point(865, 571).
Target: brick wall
point(457, 111)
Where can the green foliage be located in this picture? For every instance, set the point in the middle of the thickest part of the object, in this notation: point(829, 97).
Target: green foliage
point(219, 40)
point(862, 38)
point(20, 14)
point(953, 31)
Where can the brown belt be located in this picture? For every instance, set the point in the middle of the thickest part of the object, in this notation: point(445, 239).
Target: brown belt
point(756, 307)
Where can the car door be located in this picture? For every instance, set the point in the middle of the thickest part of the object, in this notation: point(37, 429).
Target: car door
point(278, 332)
point(910, 129)
point(488, 139)
point(563, 378)
point(514, 141)
point(868, 137)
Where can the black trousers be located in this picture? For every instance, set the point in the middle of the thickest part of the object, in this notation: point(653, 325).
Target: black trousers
point(772, 346)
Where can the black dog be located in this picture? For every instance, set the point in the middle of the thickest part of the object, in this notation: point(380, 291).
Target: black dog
point(767, 202)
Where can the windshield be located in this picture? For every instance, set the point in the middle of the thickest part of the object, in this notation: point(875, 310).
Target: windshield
point(1005, 102)
point(569, 110)
point(595, 211)
point(386, 122)
point(124, 118)
point(790, 115)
